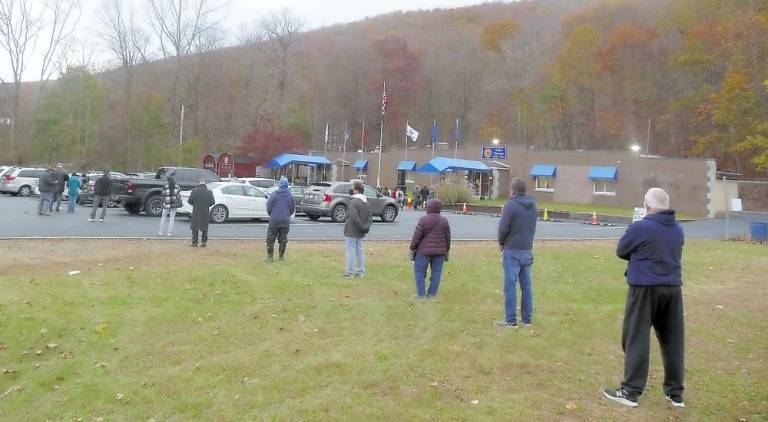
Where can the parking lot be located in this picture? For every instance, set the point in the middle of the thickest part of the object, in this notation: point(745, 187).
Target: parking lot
point(20, 220)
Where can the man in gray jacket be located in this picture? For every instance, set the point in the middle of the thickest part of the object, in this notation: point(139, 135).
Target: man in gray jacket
point(357, 225)
point(47, 186)
point(62, 177)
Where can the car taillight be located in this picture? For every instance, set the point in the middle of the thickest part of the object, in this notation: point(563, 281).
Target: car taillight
point(130, 187)
point(326, 197)
point(9, 178)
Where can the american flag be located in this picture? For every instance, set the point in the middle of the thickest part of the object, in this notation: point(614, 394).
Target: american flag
point(384, 100)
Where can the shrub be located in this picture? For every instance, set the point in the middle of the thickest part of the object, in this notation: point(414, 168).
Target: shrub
point(453, 193)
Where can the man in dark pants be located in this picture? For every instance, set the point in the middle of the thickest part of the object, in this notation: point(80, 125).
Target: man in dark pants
point(201, 200)
point(62, 177)
point(102, 193)
point(280, 207)
point(654, 247)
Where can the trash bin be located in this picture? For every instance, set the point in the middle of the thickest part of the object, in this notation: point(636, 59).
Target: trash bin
point(758, 232)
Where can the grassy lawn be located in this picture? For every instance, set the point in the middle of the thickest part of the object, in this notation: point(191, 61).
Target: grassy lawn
point(588, 208)
point(158, 331)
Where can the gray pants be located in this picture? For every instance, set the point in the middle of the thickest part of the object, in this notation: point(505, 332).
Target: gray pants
point(100, 200)
point(279, 233)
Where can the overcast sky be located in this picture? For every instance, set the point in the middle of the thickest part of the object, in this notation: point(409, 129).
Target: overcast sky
point(234, 13)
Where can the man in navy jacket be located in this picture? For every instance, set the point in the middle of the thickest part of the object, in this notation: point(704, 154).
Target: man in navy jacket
point(516, 230)
point(280, 207)
point(654, 247)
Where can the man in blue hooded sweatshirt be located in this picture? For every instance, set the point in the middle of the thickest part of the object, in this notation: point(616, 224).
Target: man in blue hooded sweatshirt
point(654, 247)
point(516, 230)
point(280, 207)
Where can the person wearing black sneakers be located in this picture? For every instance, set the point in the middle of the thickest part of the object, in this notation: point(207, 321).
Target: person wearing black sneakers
point(280, 207)
point(201, 199)
point(654, 247)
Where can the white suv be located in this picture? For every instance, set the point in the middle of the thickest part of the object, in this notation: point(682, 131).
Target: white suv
point(21, 181)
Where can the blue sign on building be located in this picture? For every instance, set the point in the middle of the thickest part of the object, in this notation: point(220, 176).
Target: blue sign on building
point(494, 152)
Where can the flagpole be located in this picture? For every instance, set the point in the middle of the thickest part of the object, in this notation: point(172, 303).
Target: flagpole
point(405, 147)
point(344, 152)
point(381, 141)
point(362, 142)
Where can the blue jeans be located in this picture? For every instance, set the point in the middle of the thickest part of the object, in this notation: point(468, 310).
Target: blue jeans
point(72, 201)
point(355, 255)
point(517, 267)
point(420, 271)
point(46, 199)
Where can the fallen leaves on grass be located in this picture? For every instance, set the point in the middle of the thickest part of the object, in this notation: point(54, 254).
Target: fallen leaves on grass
point(570, 405)
point(120, 396)
point(475, 402)
point(7, 371)
point(10, 390)
point(51, 345)
point(101, 328)
point(101, 365)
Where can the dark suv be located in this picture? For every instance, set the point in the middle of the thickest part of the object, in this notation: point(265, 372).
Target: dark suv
point(330, 199)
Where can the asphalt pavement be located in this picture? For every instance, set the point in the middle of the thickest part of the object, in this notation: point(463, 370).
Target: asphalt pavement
point(19, 219)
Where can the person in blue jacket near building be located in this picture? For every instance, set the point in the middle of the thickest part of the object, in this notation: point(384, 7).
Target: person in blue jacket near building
point(654, 248)
point(516, 230)
point(73, 193)
point(280, 207)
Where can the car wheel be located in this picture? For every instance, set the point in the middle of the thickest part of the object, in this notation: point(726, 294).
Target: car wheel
point(313, 217)
point(389, 214)
point(25, 191)
point(132, 208)
point(339, 214)
point(154, 206)
point(219, 214)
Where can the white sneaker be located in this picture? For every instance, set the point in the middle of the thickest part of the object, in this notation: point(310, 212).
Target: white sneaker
point(159, 233)
point(91, 220)
point(101, 220)
point(170, 234)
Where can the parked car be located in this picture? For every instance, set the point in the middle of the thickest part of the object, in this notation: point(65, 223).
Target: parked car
point(139, 194)
point(296, 191)
point(20, 181)
point(234, 201)
point(259, 182)
point(4, 169)
point(330, 199)
point(88, 184)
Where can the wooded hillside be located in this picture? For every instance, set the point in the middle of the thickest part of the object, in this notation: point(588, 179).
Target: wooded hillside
point(682, 77)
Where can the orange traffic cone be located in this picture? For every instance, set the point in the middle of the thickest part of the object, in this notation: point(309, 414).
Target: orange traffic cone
point(595, 219)
point(465, 210)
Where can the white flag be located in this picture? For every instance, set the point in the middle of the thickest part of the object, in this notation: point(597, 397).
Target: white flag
point(411, 133)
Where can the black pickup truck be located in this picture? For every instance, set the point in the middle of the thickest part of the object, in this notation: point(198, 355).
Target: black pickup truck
point(137, 195)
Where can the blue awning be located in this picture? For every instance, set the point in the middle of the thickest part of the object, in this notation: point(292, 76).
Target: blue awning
point(288, 159)
point(407, 165)
point(603, 173)
point(360, 165)
point(543, 170)
point(445, 165)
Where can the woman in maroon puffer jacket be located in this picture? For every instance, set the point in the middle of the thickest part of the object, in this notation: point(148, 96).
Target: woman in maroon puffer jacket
point(432, 242)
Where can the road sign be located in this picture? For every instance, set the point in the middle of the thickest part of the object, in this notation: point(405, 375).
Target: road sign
point(494, 152)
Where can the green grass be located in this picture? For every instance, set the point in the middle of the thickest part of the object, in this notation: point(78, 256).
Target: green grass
point(218, 335)
point(586, 208)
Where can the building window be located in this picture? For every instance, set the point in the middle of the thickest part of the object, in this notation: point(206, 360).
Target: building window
point(604, 187)
point(544, 184)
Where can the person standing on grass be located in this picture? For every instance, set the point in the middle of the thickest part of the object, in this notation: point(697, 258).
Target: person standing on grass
point(73, 185)
point(201, 200)
point(358, 224)
point(171, 197)
point(62, 178)
point(516, 230)
point(102, 193)
point(430, 245)
point(654, 248)
point(280, 207)
point(46, 184)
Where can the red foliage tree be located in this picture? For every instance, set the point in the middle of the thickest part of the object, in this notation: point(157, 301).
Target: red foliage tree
point(402, 71)
point(264, 144)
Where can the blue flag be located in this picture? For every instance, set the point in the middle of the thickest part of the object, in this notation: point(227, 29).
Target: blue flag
point(434, 133)
point(458, 131)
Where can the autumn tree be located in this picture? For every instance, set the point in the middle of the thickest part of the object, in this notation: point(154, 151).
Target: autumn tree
point(265, 143)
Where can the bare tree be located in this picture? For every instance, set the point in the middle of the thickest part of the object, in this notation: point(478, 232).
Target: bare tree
point(61, 19)
point(280, 30)
point(178, 24)
point(19, 29)
point(201, 71)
